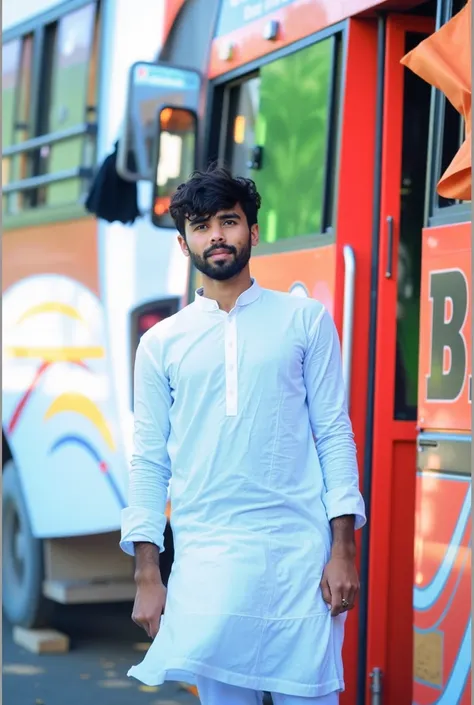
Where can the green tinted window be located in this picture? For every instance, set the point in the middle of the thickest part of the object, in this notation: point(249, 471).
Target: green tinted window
point(11, 55)
point(69, 89)
point(292, 128)
point(285, 110)
point(16, 127)
point(49, 86)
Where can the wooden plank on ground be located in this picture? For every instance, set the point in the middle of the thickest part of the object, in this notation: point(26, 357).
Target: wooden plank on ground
point(41, 641)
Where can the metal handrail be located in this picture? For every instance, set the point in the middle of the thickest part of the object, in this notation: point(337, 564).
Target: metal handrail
point(348, 318)
point(46, 179)
point(85, 128)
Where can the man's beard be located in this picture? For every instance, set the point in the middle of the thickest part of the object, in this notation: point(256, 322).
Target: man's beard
point(222, 269)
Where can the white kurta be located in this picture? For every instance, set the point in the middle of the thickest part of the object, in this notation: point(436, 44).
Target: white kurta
point(229, 405)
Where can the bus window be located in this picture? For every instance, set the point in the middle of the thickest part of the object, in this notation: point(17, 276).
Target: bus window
point(71, 42)
point(285, 111)
point(22, 127)
point(450, 129)
point(244, 106)
point(11, 55)
point(49, 91)
point(16, 127)
point(451, 139)
point(416, 103)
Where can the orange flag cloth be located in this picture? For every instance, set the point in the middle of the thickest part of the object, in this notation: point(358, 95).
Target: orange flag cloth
point(444, 61)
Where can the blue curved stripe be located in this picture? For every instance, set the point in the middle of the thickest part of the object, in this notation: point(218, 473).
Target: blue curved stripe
point(426, 596)
point(83, 443)
point(436, 625)
point(116, 490)
point(459, 674)
point(77, 440)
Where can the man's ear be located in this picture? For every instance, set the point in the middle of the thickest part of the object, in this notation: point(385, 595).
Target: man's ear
point(255, 235)
point(183, 245)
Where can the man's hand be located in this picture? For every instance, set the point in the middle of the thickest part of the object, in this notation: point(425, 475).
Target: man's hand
point(151, 593)
point(150, 601)
point(340, 584)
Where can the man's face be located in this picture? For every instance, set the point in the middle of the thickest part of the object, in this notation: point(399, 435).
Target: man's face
point(220, 246)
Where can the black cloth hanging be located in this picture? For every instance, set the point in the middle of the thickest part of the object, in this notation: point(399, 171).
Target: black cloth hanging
point(110, 197)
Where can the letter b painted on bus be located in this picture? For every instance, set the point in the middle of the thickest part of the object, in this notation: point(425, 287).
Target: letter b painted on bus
point(448, 293)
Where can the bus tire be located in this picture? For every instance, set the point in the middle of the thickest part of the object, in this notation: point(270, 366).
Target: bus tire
point(22, 558)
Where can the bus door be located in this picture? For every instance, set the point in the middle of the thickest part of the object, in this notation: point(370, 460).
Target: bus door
point(405, 122)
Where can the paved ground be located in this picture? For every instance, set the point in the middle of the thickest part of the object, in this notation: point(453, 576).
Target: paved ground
point(104, 643)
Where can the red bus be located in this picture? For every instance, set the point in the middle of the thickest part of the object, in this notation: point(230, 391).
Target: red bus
point(346, 145)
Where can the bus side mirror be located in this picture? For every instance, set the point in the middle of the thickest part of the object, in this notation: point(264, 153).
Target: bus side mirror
point(151, 87)
point(175, 159)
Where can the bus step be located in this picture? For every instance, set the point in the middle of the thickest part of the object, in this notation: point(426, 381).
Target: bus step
point(84, 592)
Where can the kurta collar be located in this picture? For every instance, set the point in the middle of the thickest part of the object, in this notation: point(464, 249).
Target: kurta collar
point(246, 297)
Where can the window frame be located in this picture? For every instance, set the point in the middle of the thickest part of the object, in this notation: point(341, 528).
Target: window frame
point(17, 72)
point(27, 125)
point(461, 211)
point(218, 126)
point(39, 21)
point(17, 123)
point(37, 27)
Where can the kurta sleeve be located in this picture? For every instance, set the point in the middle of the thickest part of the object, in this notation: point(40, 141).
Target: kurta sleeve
point(150, 469)
point(330, 421)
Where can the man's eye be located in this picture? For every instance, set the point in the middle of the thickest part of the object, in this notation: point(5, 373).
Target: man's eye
point(229, 222)
point(200, 227)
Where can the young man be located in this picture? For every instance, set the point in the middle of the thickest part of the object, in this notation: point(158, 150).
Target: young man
point(239, 398)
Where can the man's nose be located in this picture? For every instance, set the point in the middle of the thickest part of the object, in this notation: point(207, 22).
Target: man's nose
point(216, 234)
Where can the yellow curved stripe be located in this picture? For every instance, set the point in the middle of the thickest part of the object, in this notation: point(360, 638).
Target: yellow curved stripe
point(78, 403)
point(51, 307)
point(57, 354)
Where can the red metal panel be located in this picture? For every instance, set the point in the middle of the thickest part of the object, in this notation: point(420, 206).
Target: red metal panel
point(446, 250)
point(354, 228)
point(313, 270)
point(442, 593)
point(399, 638)
point(394, 447)
point(297, 20)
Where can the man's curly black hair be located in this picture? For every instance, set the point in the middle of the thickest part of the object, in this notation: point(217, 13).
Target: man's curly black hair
point(206, 193)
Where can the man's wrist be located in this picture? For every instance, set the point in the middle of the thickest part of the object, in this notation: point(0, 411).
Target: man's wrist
point(150, 575)
point(345, 552)
point(147, 563)
point(343, 537)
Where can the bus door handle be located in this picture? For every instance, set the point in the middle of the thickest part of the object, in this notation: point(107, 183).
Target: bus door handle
point(348, 317)
point(388, 268)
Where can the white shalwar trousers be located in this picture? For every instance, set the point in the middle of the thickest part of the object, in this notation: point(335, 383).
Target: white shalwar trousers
point(212, 692)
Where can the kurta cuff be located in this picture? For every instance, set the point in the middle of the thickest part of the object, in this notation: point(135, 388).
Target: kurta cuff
point(141, 525)
point(345, 501)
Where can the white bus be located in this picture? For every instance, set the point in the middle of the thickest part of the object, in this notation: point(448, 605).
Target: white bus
point(77, 294)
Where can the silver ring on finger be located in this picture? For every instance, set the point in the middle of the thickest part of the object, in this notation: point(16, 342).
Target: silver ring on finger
point(344, 603)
